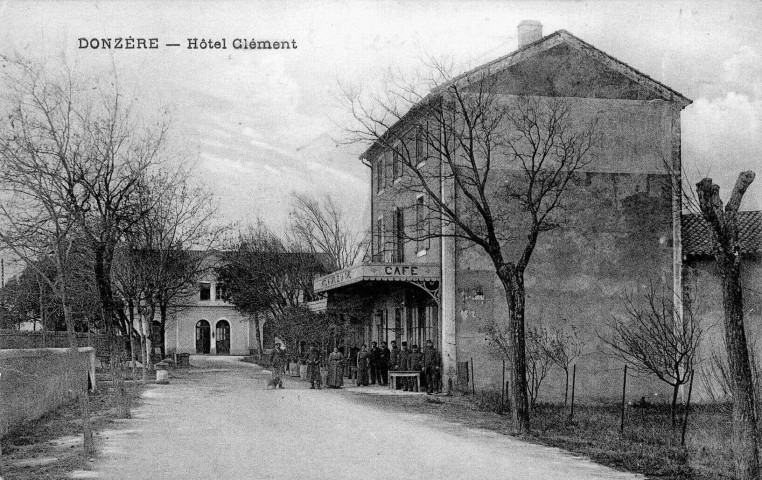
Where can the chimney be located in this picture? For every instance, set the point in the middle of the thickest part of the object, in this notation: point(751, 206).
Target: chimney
point(529, 31)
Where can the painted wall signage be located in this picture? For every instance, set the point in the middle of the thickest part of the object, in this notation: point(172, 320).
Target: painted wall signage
point(377, 272)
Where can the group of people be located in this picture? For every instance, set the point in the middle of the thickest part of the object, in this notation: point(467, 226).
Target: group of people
point(373, 365)
point(336, 363)
point(369, 367)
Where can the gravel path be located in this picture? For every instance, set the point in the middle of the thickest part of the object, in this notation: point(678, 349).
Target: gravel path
point(221, 423)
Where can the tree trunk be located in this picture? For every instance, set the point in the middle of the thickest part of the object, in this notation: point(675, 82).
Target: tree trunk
point(131, 318)
point(257, 340)
point(143, 348)
point(102, 271)
point(83, 396)
point(133, 355)
point(566, 389)
point(744, 439)
point(724, 223)
point(673, 407)
point(148, 328)
point(513, 282)
point(162, 333)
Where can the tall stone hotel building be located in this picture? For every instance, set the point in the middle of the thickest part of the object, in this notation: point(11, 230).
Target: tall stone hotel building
point(623, 232)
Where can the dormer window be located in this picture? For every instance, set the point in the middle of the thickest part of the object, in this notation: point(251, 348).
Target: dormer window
point(205, 291)
point(220, 291)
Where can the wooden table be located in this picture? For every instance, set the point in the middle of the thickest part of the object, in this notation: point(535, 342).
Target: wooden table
point(404, 374)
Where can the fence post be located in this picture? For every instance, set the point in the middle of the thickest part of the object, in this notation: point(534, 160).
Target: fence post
point(574, 380)
point(687, 409)
point(624, 390)
point(473, 380)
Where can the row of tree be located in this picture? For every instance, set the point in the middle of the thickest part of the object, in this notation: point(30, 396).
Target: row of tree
point(95, 206)
point(113, 233)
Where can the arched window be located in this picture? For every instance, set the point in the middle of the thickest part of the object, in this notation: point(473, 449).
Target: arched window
point(222, 337)
point(203, 337)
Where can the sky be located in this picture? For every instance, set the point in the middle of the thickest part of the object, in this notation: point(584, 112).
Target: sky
point(259, 125)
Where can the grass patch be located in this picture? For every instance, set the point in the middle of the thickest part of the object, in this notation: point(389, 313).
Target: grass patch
point(647, 446)
point(54, 441)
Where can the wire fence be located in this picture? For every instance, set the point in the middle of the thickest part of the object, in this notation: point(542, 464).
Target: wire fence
point(702, 423)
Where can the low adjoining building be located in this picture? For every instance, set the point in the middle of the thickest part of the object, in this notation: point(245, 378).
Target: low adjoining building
point(204, 323)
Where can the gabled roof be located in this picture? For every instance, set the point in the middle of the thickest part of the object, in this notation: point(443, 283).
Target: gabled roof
point(698, 239)
point(554, 39)
point(535, 49)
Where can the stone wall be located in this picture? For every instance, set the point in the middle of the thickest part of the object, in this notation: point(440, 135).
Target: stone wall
point(36, 381)
point(615, 237)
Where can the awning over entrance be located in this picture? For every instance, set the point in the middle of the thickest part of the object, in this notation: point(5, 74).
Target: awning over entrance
point(396, 272)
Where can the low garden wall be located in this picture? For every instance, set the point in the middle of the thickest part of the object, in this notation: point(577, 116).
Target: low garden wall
point(35, 381)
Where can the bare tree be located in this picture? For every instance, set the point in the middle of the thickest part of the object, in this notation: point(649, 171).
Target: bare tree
point(563, 348)
point(36, 148)
point(265, 276)
point(507, 159)
point(104, 157)
point(657, 337)
point(321, 226)
point(727, 253)
point(539, 361)
point(164, 253)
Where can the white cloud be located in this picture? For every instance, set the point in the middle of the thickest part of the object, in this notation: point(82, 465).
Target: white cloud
point(743, 72)
point(722, 137)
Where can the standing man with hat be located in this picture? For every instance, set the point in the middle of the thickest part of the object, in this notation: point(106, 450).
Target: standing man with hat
point(431, 364)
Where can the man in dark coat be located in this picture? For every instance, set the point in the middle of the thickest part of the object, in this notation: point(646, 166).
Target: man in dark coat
point(393, 354)
point(313, 368)
point(431, 365)
point(374, 356)
point(353, 362)
point(278, 363)
point(362, 366)
point(415, 364)
point(383, 364)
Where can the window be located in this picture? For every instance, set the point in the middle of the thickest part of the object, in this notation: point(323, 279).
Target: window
point(422, 224)
point(410, 328)
point(220, 291)
point(422, 323)
point(396, 163)
point(399, 235)
point(420, 333)
point(205, 291)
point(420, 158)
point(378, 243)
point(379, 173)
point(431, 328)
point(380, 324)
point(389, 237)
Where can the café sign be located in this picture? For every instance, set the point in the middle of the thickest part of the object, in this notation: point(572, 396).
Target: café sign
point(377, 272)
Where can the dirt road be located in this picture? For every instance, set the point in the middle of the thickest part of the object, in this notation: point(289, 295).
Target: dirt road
point(223, 424)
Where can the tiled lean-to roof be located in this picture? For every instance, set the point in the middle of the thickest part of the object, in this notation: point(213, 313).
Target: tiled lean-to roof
point(698, 238)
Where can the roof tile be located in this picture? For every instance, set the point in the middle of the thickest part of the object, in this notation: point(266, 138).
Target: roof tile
point(698, 238)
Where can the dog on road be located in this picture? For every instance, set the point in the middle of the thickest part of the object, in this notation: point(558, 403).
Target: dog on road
point(274, 382)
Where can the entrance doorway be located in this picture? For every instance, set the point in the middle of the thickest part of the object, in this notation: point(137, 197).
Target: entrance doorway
point(203, 337)
point(222, 334)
